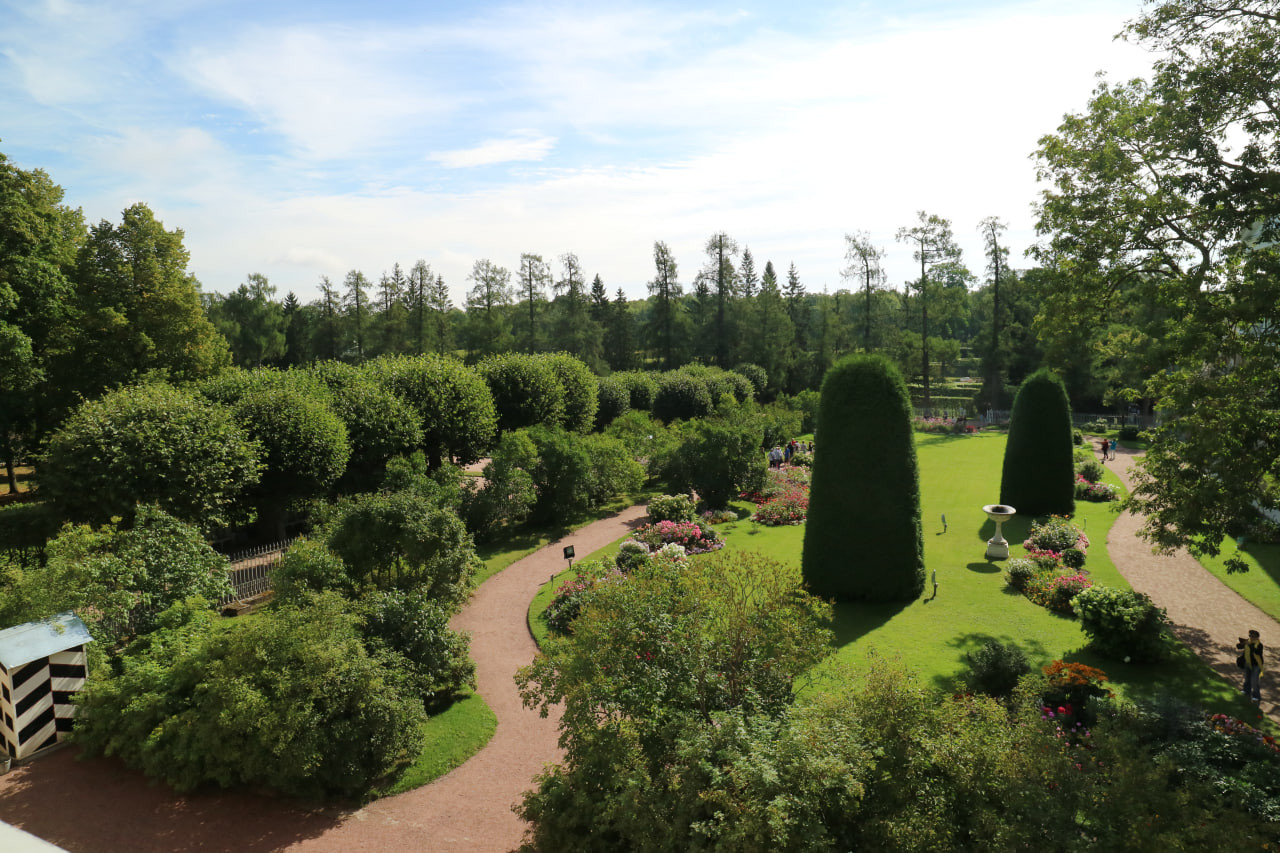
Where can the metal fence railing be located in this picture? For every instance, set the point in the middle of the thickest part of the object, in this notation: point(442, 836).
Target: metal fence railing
point(251, 570)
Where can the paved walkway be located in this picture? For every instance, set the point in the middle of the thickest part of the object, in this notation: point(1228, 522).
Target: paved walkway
point(99, 805)
point(1205, 613)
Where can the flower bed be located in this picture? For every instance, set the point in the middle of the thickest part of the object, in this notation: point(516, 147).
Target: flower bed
point(1097, 492)
point(1051, 575)
point(943, 425)
point(694, 537)
point(785, 499)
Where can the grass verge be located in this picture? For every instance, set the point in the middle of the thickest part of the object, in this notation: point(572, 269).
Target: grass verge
point(451, 737)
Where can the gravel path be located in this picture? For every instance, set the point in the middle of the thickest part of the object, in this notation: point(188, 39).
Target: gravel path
point(1206, 614)
point(99, 805)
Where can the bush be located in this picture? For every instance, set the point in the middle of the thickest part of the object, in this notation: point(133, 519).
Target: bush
point(562, 475)
point(1130, 433)
point(614, 471)
point(574, 594)
point(579, 391)
point(1038, 476)
point(526, 390)
point(290, 701)
point(1019, 573)
point(695, 538)
point(641, 387)
point(646, 439)
point(614, 400)
point(310, 567)
point(1077, 437)
point(1123, 624)
point(866, 488)
point(758, 377)
point(1062, 592)
point(1096, 492)
point(1055, 534)
point(718, 461)
point(681, 397)
point(671, 508)
point(1073, 558)
point(509, 493)
point(150, 444)
point(631, 556)
point(416, 627)
point(1091, 470)
point(995, 668)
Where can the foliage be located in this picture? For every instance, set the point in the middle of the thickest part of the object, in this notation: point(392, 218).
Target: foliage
point(757, 376)
point(718, 461)
point(652, 662)
point(1090, 469)
point(304, 444)
point(995, 668)
point(118, 579)
point(290, 701)
point(459, 420)
point(509, 493)
point(1123, 624)
point(579, 391)
point(613, 400)
point(574, 594)
point(1129, 433)
point(526, 390)
point(642, 389)
point(1056, 534)
point(632, 555)
point(865, 429)
point(398, 541)
point(646, 439)
point(671, 508)
point(785, 499)
point(1038, 476)
point(149, 444)
point(416, 627)
point(1097, 492)
point(380, 425)
point(614, 471)
point(681, 396)
point(306, 567)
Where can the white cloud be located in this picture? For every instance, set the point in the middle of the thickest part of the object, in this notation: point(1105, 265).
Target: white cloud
point(521, 146)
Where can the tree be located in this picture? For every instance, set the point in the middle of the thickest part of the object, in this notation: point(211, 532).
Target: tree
point(490, 294)
point(252, 322)
point(934, 245)
point(719, 461)
point(150, 444)
point(380, 425)
point(526, 390)
point(863, 258)
point(864, 427)
point(1162, 194)
point(137, 309)
point(719, 274)
point(1038, 477)
point(535, 278)
point(579, 387)
point(355, 302)
point(452, 400)
point(575, 328)
point(997, 262)
point(665, 291)
point(330, 305)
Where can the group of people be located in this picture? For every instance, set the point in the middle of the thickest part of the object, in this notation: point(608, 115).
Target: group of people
point(1108, 449)
point(780, 456)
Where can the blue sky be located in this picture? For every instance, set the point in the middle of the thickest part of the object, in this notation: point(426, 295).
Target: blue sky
point(301, 139)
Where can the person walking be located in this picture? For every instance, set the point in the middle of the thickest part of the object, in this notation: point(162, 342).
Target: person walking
point(1113, 450)
point(1250, 661)
point(1105, 445)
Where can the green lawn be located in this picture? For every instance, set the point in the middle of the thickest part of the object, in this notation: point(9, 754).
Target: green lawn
point(959, 474)
point(452, 737)
point(1261, 584)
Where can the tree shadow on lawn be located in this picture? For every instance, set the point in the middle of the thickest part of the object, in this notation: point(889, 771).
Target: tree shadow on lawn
point(974, 640)
point(856, 619)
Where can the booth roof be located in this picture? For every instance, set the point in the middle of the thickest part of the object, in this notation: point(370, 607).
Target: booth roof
point(24, 643)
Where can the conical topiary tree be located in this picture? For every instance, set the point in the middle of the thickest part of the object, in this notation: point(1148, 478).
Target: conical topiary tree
point(862, 541)
point(1039, 471)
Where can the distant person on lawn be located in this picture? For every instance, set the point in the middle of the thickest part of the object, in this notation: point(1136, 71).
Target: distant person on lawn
point(1251, 654)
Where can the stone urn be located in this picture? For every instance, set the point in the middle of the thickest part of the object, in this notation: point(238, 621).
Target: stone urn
point(997, 546)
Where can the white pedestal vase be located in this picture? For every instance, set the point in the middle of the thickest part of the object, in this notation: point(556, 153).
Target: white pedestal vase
point(997, 546)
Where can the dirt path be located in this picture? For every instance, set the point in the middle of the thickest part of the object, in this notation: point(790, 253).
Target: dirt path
point(99, 805)
point(1206, 614)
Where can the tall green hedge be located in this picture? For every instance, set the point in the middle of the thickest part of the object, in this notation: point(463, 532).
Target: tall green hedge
point(863, 541)
point(1039, 474)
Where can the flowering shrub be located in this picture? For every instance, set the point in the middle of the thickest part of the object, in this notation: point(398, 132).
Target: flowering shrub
point(1063, 588)
point(942, 425)
point(1238, 728)
point(1089, 470)
point(803, 460)
point(631, 555)
point(671, 508)
point(696, 538)
point(784, 499)
point(1096, 492)
point(1068, 689)
point(573, 595)
point(1056, 534)
point(1123, 624)
point(1020, 572)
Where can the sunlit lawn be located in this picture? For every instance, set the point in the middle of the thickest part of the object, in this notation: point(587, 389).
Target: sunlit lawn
point(1261, 584)
point(959, 474)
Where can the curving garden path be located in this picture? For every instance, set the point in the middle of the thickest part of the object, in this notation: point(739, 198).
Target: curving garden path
point(99, 805)
point(1205, 613)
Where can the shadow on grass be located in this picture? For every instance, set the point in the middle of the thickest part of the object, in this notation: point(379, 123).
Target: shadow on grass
point(854, 620)
point(1016, 529)
point(974, 640)
point(985, 568)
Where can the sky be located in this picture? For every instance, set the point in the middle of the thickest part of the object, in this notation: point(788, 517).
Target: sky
point(306, 139)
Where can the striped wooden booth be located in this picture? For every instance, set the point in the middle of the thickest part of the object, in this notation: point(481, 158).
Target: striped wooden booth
point(41, 665)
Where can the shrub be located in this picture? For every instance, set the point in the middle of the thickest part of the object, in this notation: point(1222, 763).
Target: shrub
point(416, 627)
point(642, 389)
point(995, 668)
point(646, 439)
point(1130, 433)
point(1055, 534)
point(1123, 624)
point(1091, 470)
point(614, 471)
point(631, 556)
point(1038, 477)
point(309, 567)
point(290, 701)
point(150, 444)
point(509, 493)
point(578, 390)
point(681, 397)
point(1077, 437)
point(804, 460)
point(671, 508)
point(574, 594)
point(756, 375)
point(526, 390)
point(866, 438)
point(1073, 558)
point(1062, 591)
point(718, 461)
point(1096, 492)
point(613, 398)
point(696, 538)
point(1019, 573)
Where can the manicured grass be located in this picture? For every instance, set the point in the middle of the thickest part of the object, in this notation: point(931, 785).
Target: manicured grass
point(452, 737)
point(1261, 584)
